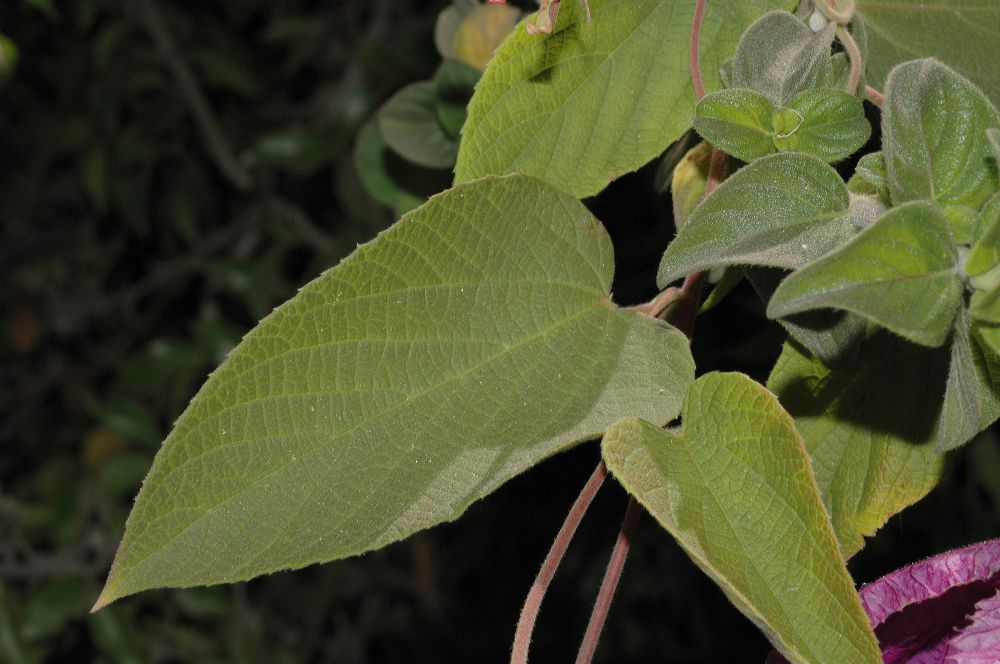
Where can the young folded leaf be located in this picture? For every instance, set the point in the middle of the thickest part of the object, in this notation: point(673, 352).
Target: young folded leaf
point(780, 211)
point(736, 489)
point(901, 273)
point(934, 126)
point(465, 344)
point(866, 427)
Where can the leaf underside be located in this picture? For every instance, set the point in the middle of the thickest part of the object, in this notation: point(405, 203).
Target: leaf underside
point(436, 362)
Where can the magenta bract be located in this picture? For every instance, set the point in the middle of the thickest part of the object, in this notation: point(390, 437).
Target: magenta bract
point(943, 610)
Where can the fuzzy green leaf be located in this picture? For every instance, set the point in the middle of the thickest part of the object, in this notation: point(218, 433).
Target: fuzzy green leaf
point(960, 33)
point(465, 344)
point(779, 56)
point(972, 395)
point(934, 134)
point(832, 127)
point(585, 105)
point(870, 429)
point(983, 262)
point(832, 336)
point(736, 489)
point(409, 124)
point(900, 273)
point(780, 211)
point(738, 121)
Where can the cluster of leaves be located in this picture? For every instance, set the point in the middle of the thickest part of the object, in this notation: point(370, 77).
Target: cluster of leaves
point(477, 336)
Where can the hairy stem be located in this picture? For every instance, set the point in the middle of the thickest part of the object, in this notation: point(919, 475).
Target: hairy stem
point(699, 16)
point(533, 602)
point(874, 95)
point(830, 11)
point(612, 575)
point(854, 55)
point(658, 304)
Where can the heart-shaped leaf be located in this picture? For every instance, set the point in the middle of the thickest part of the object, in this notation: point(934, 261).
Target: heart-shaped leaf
point(735, 488)
point(934, 126)
point(585, 105)
point(780, 211)
point(465, 344)
point(901, 272)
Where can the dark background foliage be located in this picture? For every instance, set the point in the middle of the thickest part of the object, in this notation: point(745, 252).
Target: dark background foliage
point(144, 233)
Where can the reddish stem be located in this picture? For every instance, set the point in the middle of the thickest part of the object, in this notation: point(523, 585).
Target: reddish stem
point(874, 96)
point(533, 602)
point(699, 15)
point(612, 575)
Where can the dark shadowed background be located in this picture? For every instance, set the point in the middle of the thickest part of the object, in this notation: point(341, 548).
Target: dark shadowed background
point(169, 173)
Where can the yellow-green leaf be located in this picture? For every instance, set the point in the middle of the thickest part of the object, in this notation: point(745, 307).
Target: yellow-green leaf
point(736, 489)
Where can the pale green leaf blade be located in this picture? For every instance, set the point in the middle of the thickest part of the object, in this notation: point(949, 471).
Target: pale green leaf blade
point(972, 395)
point(585, 105)
point(737, 121)
point(689, 181)
point(870, 429)
point(779, 56)
point(780, 211)
point(984, 259)
point(409, 124)
point(899, 272)
point(833, 125)
point(960, 33)
point(735, 488)
point(934, 134)
point(985, 305)
point(465, 344)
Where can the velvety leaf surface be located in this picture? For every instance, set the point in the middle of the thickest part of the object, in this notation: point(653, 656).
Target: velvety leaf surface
point(972, 396)
point(689, 181)
point(779, 56)
point(832, 336)
point(465, 344)
point(900, 272)
point(780, 211)
point(934, 126)
point(869, 429)
point(960, 33)
point(409, 124)
point(737, 121)
point(832, 125)
point(735, 488)
point(584, 105)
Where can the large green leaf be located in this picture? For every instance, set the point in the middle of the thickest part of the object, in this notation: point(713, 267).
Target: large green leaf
point(736, 489)
point(779, 56)
point(466, 343)
point(972, 395)
point(901, 272)
point(934, 135)
point(960, 33)
point(780, 211)
point(584, 105)
point(870, 430)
